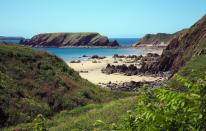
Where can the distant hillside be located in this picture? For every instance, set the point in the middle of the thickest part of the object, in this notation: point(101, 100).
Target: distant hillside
point(160, 39)
point(186, 44)
point(70, 40)
point(155, 39)
point(36, 82)
point(11, 39)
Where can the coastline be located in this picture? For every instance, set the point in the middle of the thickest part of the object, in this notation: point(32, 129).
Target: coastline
point(90, 69)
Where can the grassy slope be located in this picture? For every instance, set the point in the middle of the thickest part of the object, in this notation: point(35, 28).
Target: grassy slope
point(83, 118)
point(196, 64)
point(33, 82)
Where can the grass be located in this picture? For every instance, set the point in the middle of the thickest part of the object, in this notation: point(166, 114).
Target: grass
point(36, 82)
point(83, 118)
point(190, 71)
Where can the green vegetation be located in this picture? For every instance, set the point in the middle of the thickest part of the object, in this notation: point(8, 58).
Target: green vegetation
point(179, 105)
point(36, 82)
point(88, 117)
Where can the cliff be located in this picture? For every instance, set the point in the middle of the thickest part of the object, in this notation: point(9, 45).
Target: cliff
point(186, 44)
point(70, 40)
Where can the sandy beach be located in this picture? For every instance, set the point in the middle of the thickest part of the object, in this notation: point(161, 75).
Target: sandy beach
point(90, 69)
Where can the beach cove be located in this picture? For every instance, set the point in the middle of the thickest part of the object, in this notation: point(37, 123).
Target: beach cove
point(91, 69)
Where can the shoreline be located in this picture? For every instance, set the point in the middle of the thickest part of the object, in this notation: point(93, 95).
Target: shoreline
point(91, 69)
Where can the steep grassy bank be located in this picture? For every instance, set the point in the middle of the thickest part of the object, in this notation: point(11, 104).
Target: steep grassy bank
point(36, 82)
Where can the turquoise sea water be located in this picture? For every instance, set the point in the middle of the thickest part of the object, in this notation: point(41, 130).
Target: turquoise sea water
point(69, 54)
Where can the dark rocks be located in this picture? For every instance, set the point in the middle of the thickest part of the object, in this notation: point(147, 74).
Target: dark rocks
point(127, 86)
point(133, 86)
point(129, 56)
point(75, 61)
point(152, 55)
point(123, 69)
point(94, 61)
point(147, 60)
point(85, 56)
point(83, 71)
point(98, 57)
point(113, 43)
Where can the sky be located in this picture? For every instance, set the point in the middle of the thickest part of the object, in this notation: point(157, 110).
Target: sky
point(113, 18)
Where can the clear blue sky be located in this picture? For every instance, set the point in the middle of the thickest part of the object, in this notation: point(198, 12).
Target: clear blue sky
point(113, 18)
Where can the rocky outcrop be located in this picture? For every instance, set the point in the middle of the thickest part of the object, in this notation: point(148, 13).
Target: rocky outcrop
point(127, 86)
point(129, 56)
point(133, 85)
point(70, 40)
point(187, 44)
point(123, 69)
point(131, 69)
point(97, 57)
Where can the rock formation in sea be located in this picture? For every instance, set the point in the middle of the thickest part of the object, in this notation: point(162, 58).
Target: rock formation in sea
point(70, 40)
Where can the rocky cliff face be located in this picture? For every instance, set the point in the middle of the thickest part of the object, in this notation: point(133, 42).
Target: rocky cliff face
point(69, 40)
point(185, 45)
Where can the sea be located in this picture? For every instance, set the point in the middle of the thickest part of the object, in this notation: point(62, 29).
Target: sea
point(69, 54)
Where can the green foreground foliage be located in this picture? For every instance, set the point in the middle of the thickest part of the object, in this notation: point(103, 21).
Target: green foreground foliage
point(87, 118)
point(181, 105)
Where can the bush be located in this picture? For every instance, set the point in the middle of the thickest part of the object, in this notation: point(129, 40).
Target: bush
point(166, 109)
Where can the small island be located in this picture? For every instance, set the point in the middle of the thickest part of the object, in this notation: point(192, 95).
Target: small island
point(66, 40)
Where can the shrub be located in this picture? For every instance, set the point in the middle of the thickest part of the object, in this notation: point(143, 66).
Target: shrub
point(166, 109)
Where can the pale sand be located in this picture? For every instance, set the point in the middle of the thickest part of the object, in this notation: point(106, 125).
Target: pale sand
point(95, 75)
